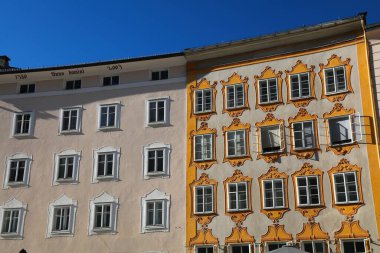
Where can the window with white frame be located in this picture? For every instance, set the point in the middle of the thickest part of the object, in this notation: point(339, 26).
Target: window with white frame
point(62, 217)
point(203, 149)
point(103, 214)
point(308, 190)
point(156, 160)
point(204, 199)
point(235, 96)
point(346, 188)
point(70, 120)
point(106, 164)
point(269, 246)
point(155, 212)
point(335, 79)
point(203, 101)
point(18, 170)
point(12, 215)
point(204, 249)
point(299, 86)
point(344, 129)
point(236, 145)
point(353, 246)
point(109, 116)
point(23, 124)
point(303, 135)
point(66, 167)
point(157, 111)
point(271, 139)
point(268, 90)
point(239, 248)
point(237, 196)
point(273, 190)
point(313, 246)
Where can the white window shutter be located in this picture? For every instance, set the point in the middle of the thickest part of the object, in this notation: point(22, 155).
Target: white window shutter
point(356, 126)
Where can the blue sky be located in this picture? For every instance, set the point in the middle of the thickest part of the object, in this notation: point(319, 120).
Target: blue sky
point(38, 33)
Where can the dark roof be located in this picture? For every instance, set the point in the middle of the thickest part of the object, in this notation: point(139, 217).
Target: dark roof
point(373, 26)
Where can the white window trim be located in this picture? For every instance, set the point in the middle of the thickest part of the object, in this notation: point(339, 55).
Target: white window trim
point(235, 98)
point(79, 120)
point(31, 124)
point(28, 162)
point(203, 101)
point(166, 121)
point(212, 147)
point(62, 201)
point(269, 102)
point(57, 156)
point(303, 135)
point(349, 116)
point(273, 195)
point(167, 154)
point(103, 198)
point(155, 195)
point(245, 143)
point(195, 199)
point(345, 80)
point(307, 190)
point(240, 244)
point(299, 86)
point(16, 205)
point(237, 199)
point(281, 140)
point(117, 116)
point(115, 176)
point(345, 188)
point(324, 242)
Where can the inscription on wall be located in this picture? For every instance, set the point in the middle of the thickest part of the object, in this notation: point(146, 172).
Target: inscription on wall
point(115, 67)
point(21, 76)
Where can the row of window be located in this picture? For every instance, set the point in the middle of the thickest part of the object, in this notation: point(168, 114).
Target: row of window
point(268, 90)
point(308, 193)
point(107, 81)
point(156, 159)
point(103, 215)
point(108, 118)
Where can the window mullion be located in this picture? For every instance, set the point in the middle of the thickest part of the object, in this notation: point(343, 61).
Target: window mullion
point(203, 101)
point(273, 194)
point(307, 190)
point(345, 187)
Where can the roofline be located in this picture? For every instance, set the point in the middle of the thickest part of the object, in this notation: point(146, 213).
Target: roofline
point(91, 64)
point(372, 26)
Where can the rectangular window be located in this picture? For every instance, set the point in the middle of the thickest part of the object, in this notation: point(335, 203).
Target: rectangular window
point(156, 160)
point(160, 75)
point(66, 168)
point(23, 124)
point(73, 85)
point(239, 249)
point(203, 147)
point(11, 218)
point(204, 249)
point(110, 80)
point(270, 139)
point(340, 130)
point(335, 80)
point(61, 220)
point(102, 216)
point(236, 145)
point(237, 196)
point(204, 199)
point(203, 101)
point(313, 246)
point(106, 165)
point(27, 88)
point(157, 110)
point(155, 213)
point(346, 188)
point(303, 134)
point(268, 91)
point(299, 85)
point(235, 96)
point(354, 246)
point(273, 193)
point(17, 171)
point(109, 116)
point(308, 191)
point(70, 120)
point(275, 245)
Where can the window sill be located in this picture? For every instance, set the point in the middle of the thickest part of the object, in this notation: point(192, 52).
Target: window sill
point(236, 111)
point(10, 236)
point(271, 157)
point(16, 185)
point(304, 153)
point(70, 132)
point(237, 160)
point(268, 107)
point(342, 149)
point(66, 181)
point(22, 136)
point(103, 231)
point(157, 124)
point(154, 229)
point(301, 102)
point(336, 96)
point(108, 129)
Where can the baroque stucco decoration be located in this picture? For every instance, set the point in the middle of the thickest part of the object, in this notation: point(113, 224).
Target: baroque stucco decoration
point(203, 84)
point(203, 129)
point(351, 230)
point(239, 235)
point(235, 79)
point(276, 233)
point(300, 68)
point(204, 237)
point(336, 61)
point(311, 231)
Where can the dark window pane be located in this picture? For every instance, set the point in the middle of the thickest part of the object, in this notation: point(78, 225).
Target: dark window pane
point(155, 75)
point(164, 74)
point(115, 80)
point(106, 81)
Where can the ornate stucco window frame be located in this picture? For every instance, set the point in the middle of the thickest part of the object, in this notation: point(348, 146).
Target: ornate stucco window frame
point(203, 84)
point(269, 73)
point(203, 130)
point(235, 79)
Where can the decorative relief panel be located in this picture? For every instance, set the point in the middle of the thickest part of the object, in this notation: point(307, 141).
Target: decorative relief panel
point(312, 231)
point(204, 237)
point(204, 180)
point(235, 79)
point(274, 214)
point(276, 233)
point(203, 84)
point(309, 211)
point(204, 164)
point(237, 125)
point(301, 116)
point(298, 69)
point(267, 73)
point(270, 120)
point(239, 235)
point(338, 110)
point(351, 230)
point(335, 61)
point(349, 209)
